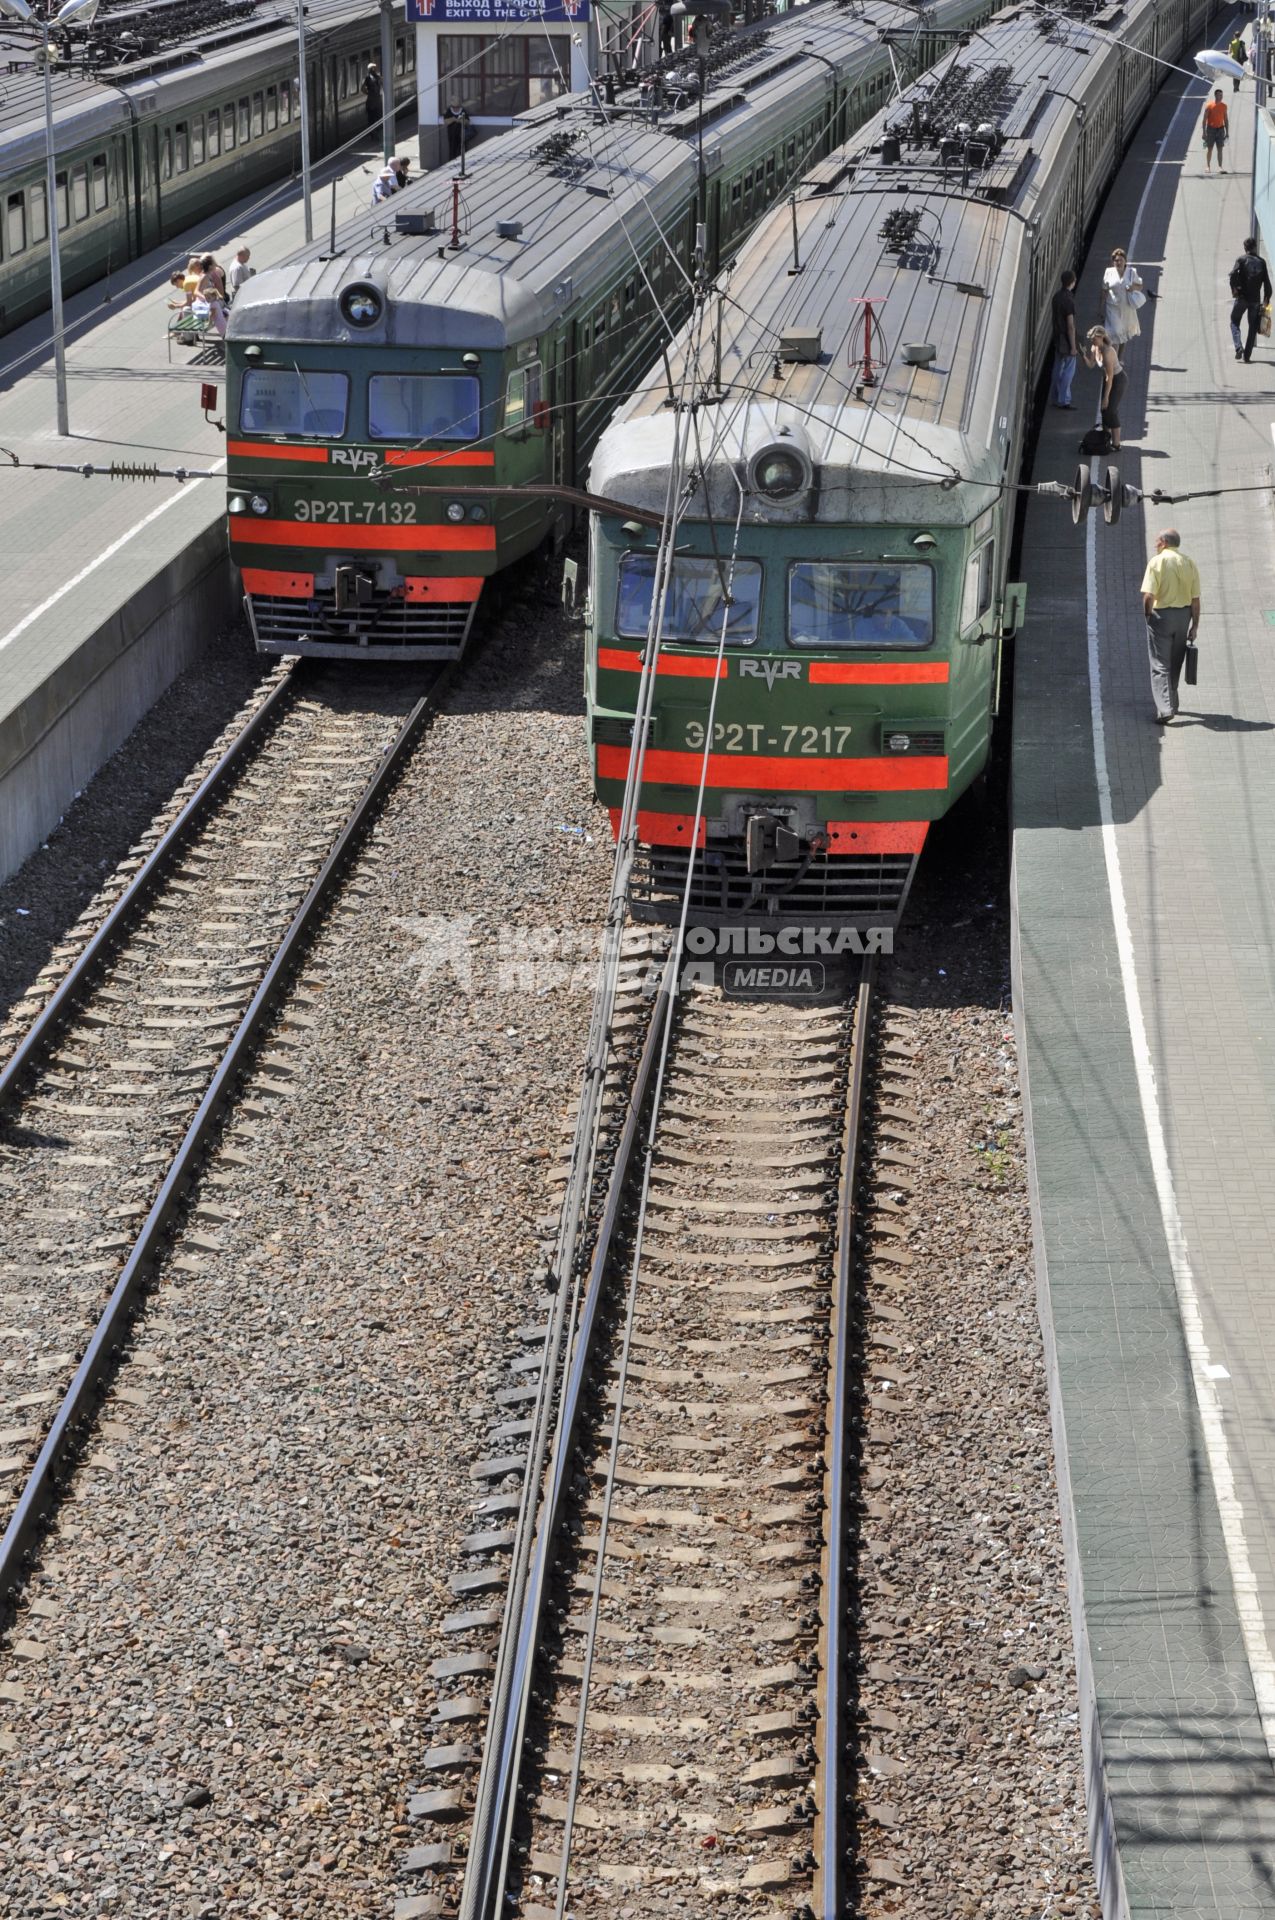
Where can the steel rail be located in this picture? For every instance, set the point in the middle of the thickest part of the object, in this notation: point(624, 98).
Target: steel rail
point(52, 1018)
point(831, 1889)
point(487, 1868)
point(59, 1444)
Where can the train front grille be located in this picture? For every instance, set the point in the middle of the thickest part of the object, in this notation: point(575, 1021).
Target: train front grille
point(388, 627)
point(847, 890)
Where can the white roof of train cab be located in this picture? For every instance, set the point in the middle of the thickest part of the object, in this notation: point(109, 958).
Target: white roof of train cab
point(864, 470)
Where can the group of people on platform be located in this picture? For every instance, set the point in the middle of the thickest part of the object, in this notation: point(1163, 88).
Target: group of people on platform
point(1171, 582)
point(392, 178)
point(204, 290)
point(1123, 297)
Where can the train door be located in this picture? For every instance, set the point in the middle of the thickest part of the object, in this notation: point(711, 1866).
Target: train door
point(561, 396)
point(146, 185)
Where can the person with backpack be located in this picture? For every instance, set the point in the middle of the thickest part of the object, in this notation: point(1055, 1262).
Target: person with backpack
point(1251, 287)
point(1239, 53)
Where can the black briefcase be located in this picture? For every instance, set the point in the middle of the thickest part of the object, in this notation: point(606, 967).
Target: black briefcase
point(1192, 662)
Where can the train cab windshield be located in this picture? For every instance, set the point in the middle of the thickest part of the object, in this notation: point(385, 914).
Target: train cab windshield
point(698, 594)
point(297, 405)
point(423, 406)
point(844, 605)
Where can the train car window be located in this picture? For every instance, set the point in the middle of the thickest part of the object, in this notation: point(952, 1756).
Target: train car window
point(522, 397)
point(181, 147)
point(272, 109)
point(166, 154)
point(258, 115)
point(423, 406)
point(228, 127)
point(64, 204)
point(245, 129)
point(214, 134)
point(735, 192)
point(15, 224)
point(100, 187)
point(307, 405)
point(39, 213)
point(285, 102)
point(977, 595)
point(197, 140)
point(400, 57)
point(411, 52)
point(80, 192)
point(696, 602)
point(860, 605)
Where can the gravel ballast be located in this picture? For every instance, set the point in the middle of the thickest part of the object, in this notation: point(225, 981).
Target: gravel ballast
point(216, 1699)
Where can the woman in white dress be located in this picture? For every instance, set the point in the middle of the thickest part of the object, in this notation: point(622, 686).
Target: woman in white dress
point(1119, 309)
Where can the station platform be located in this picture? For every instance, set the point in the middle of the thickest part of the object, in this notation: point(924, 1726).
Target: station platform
point(1143, 893)
point(111, 587)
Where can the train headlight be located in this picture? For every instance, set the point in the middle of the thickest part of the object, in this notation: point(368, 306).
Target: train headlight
point(455, 509)
point(236, 504)
point(259, 503)
point(362, 306)
point(477, 512)
point(899, 742)
point(779, 473)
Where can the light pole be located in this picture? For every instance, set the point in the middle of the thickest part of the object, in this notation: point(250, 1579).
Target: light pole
point(303, 101)
point(83, 11)
point(387, 79)
point(1259, 82)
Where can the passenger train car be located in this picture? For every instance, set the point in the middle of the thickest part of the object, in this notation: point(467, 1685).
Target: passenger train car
point(161, 135)
point(468, 342)
point(829, 643)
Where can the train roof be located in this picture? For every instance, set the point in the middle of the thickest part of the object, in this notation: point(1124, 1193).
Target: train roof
point(189, 63)
point(940, 247)
point(586, 185)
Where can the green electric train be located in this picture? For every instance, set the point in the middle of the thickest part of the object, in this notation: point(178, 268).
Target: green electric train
point(826, 641)
point(156, 134)
point(411, 402)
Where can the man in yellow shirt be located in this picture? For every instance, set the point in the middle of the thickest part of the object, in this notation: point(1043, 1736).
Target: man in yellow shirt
point(1171, 606)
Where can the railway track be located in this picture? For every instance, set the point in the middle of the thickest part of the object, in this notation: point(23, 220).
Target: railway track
point(672, 1715)
point(109, 1099)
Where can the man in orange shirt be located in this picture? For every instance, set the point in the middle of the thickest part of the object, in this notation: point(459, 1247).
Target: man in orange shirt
point(1215, 129)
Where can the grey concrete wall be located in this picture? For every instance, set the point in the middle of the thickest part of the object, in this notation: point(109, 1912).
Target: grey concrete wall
point(55, 741)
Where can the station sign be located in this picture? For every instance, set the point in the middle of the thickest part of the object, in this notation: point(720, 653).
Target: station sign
point(481, 13)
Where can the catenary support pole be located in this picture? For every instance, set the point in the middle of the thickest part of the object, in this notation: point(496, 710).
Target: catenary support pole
point(303, 101)
point(55, 255)
point(387, 78)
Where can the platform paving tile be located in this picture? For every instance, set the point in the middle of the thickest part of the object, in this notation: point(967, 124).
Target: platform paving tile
point(1181, 1772)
